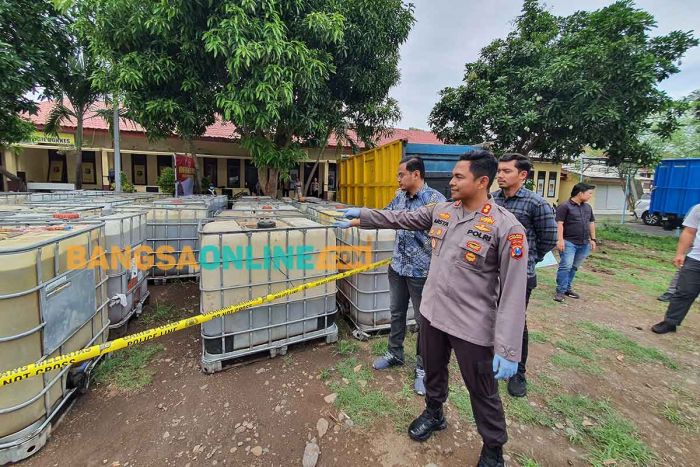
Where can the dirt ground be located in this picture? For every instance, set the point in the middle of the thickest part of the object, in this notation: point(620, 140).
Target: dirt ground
point(264, 412)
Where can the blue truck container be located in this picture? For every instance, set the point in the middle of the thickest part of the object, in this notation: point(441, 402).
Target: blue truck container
point(676, 189)
point(439, 160)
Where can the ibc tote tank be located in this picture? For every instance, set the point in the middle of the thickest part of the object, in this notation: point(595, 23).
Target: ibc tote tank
point(46, 309)
point(295, 247)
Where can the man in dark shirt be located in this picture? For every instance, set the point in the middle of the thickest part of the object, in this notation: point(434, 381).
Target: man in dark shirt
point(536, 215)
point(575, 237)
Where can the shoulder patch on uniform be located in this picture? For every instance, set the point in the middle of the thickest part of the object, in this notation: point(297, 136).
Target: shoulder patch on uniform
point(487, 220)
point(516, 238)
point(444, 216)
point(486, 209)
point(516, 251)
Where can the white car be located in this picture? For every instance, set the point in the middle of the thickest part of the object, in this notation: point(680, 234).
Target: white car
point(641, 210)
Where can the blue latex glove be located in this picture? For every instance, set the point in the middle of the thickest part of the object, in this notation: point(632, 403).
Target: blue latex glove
point(342, 224)
point(503, 368)
point(351, 213)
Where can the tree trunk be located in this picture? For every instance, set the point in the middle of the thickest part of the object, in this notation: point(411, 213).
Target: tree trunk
point(13, 178)
point(79, 152)
point(268, 179)
point(313, 169)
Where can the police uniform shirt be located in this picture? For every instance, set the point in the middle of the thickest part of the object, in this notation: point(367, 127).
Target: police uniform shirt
point(476, 285)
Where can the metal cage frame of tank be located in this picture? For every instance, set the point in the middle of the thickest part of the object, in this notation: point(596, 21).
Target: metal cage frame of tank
point(372, 289)
point(32, 438)
point(214, 362)
point(153, 241)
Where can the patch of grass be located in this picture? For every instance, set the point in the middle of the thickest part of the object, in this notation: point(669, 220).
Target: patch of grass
point(588, 278)
point(161, 313)
point(680, 417)
point(346, 347)
point(619, 233)
point(572, 362)
point(576, 349)
point(612, 436)
point(614, 340)
point(548, 382)
point(361, 404)
point(519, 409)
point(380, 347)
point(459, 397)
point(128, 369)
point(325, 374)
point(526, 461)
point(537, 336)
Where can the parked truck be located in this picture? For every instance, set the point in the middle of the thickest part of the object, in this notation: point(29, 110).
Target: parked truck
point(675, 190)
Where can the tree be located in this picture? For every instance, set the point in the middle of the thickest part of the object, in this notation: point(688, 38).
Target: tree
point(284, 72)
point(76, 87)
point(558, 84)
point(685, 140)
point(31, 41)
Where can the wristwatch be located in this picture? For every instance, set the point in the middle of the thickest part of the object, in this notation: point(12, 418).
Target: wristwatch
point(594, 240)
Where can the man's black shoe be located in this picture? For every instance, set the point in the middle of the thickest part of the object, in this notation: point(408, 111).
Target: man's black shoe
point(663, 327)
point(517, 385)
point(665, 297)
point(572, 294)
point(491, 457)
point(423, 426)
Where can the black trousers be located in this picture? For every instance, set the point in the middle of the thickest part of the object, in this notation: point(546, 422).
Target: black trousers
point(476, 366)
point(531, 284)
point(401, 289)
point(687, 291)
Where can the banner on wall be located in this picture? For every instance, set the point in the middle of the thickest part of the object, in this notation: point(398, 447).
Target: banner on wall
point(184, 174)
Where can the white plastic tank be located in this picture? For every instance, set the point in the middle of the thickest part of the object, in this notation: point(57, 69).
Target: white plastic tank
point(365, 297)
point(47, 308)
point(171, 234)
point(13, 197)
point(245, 259)
point(127, 283)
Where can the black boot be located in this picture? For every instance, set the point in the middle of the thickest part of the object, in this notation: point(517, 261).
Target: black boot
point(491, 457)
point(517, 385)
point(430, 420)
point(663, 327)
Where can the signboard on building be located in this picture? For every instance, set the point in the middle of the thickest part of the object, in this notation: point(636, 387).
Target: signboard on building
point(39, 137)
point(184, 174)
point(184, 166)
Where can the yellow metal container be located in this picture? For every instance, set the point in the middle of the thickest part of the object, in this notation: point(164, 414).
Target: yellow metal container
point(369, 178)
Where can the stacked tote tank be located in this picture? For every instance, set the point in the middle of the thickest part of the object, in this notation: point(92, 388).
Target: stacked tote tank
point(127, 286)
point(244, 259)
point(46, 309)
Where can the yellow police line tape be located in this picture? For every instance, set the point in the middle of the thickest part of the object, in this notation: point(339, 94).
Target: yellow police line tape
point(88, 353)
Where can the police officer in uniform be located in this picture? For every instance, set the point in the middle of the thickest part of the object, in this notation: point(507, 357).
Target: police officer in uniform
point(473, 300)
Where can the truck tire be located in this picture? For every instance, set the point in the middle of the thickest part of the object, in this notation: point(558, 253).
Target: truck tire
point(651, 219)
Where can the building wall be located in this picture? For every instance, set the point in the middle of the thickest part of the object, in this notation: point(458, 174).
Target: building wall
point(34, 160)
point(615, 190)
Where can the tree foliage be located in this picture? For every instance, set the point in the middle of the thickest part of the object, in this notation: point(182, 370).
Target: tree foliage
point(555, 85)
point(32, 40)
point(284, 72)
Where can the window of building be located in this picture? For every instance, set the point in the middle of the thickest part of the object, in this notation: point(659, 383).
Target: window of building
point(139, 169)
point(163, 162)
point(233, 173)
point(552, 185)
point(210, 170)
point(57, 167)
point(540, 183)
point(88, 168)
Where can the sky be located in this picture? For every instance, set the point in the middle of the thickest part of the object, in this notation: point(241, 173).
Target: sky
point(449, 33)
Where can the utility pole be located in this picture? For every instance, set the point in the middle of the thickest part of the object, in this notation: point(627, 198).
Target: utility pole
point(117, 154)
